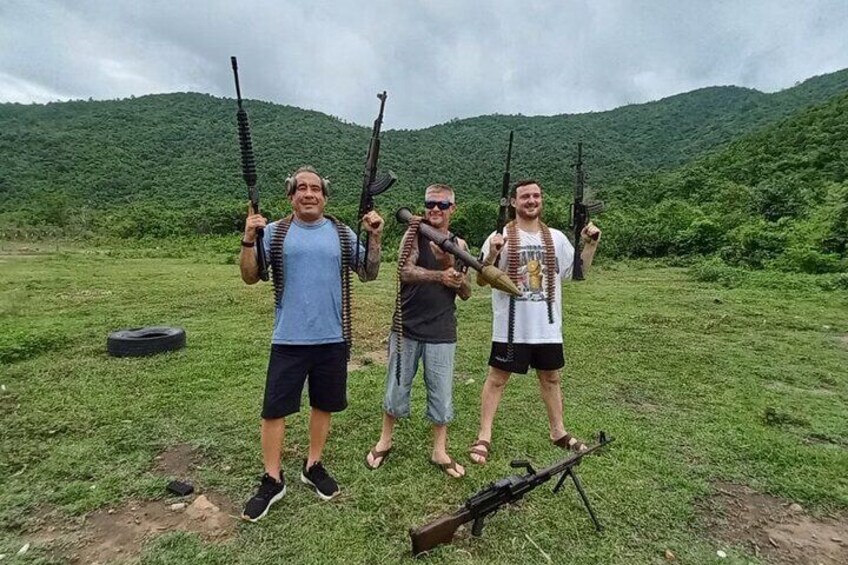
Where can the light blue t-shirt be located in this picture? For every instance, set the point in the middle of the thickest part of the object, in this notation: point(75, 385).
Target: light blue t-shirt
point(310, 312)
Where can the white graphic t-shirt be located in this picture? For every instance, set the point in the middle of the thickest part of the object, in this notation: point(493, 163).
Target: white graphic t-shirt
point(531, 309)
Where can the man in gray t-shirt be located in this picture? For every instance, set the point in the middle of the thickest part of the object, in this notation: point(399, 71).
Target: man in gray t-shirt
point(429, 286)
point(310, 255)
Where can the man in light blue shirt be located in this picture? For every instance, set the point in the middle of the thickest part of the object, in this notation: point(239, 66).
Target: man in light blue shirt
point(311, 256)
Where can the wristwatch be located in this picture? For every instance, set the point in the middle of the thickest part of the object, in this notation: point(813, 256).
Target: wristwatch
point(248, 243)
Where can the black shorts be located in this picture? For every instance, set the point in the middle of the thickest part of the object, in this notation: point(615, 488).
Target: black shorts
point(539, 356)
point(288, 369)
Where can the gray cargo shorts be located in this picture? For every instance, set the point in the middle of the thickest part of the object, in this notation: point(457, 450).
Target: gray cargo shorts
point(438, 378)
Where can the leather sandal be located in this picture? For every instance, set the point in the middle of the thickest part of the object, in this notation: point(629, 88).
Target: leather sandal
point(375, 455)
point(571, 443)
point(445, 467)
point(484, 455)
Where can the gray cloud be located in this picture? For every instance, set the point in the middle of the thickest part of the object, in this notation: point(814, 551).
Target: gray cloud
point(439, 59)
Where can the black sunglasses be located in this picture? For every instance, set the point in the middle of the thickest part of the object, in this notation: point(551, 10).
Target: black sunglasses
point(442, 204)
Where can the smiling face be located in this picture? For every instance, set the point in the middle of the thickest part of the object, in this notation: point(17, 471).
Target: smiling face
point(308, 199)
point(434, 202)
point(528, 201)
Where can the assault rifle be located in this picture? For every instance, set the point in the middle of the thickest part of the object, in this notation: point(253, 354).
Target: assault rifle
point(580, 212)
point(498, 494)
point(505, 212)
point(248, 168)
point(372, 184)
point(491, 274)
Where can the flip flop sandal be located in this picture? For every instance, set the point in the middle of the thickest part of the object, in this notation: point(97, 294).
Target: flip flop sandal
point(449, 466)
point(570, 443)
point(381, 455)
point(475, 449)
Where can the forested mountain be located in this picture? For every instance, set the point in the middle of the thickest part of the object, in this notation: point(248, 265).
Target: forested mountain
point(778, 197)
point(168, 164)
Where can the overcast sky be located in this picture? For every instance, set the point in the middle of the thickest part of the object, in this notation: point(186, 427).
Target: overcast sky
point(438, 59)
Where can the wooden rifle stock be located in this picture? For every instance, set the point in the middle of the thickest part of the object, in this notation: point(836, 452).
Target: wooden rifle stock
point(440, 531)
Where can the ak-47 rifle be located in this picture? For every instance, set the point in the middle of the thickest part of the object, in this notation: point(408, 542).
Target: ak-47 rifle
point(491, 274)
point(372, 183)
point(498, 494)
point(248, 168)
point(505, 211)
point(580, 212)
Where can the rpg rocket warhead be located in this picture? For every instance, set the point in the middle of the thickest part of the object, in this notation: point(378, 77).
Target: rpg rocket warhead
point(499, 280)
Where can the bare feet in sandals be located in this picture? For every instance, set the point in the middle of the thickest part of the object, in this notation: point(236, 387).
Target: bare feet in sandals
point(377, 456)
point(570, 443)
point(448, 466)
point(480, 451)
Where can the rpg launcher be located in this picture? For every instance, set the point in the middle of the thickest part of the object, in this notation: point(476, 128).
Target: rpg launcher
point(581, 212)
point(248, 168)
point(372, 183)
point(491, 274)
point(498, 494)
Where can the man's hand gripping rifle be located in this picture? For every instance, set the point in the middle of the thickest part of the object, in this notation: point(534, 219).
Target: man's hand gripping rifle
point(372, 183)
point(498, 494)
point(580, 213)
point(248, 168)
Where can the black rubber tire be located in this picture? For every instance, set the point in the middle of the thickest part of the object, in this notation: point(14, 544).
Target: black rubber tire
point(138, 342)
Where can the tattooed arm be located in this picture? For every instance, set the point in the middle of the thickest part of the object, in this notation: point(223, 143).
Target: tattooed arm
point(412, 273)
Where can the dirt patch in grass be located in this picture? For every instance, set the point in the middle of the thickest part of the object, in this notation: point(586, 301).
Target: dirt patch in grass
point(118, 534)
point(773, 529)
point(844, 340)
point(178, 461)
point(368, 359)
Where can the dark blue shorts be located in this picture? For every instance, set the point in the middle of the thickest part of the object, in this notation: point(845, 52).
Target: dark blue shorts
point(290, 366)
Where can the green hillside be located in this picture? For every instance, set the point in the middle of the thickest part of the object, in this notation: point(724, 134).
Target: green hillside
point(165, 165)
point(778, 197)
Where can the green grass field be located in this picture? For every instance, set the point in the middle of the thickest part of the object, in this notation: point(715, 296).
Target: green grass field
point(697, 382)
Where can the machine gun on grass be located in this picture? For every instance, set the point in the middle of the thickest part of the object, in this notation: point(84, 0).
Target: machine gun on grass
point(500, 493)
point(248, 168)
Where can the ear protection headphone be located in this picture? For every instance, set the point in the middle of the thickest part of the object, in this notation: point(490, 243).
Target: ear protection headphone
point(291, 181)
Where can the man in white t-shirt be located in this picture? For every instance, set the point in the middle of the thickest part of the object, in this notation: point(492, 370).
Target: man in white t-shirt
point(527, 330)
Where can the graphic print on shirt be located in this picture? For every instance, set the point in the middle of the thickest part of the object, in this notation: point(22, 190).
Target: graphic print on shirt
point(532, 273)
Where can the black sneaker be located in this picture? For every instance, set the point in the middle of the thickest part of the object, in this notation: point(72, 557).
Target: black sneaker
point(318, 478)
point(270, 491)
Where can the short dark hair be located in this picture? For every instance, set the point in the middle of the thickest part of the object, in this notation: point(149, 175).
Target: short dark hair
point(291, 182)
point(523, 182)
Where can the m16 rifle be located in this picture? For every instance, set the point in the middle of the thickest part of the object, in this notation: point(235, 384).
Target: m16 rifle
point(498, 494)
point(505, 211)
point(580, 213)
point(248, 168)
point(372, 183)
